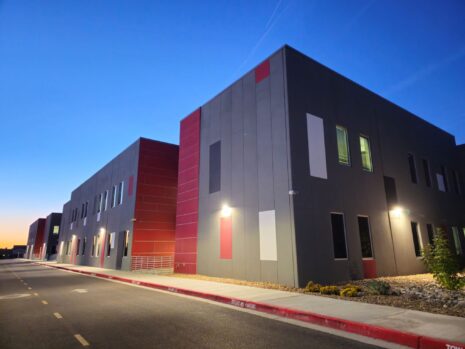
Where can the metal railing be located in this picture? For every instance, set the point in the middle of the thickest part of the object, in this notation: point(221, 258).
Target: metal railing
point(153, 264)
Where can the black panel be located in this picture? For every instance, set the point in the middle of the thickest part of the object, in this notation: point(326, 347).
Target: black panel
point(339, 236)
point(365, 239)
point(391, 191)
point(215, 168)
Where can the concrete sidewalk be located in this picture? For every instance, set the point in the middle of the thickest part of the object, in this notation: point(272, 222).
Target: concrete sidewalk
point(450, 329)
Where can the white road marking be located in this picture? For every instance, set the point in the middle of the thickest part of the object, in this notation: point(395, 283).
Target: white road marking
point(15, 295)
point(36, 294)
point(80, 290)
point(81, 340)
point(29, 288)
point(58, 315)
point(44, 302)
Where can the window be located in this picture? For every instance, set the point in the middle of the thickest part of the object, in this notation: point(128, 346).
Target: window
point(97, 246)
point(126, 243)
point(427, 172)
point(84, 241)
point(105, 200)
point(412, 168)
point(365, 152)
point(416, 238)
point(365, 238)
point(342, 145)
point(457, 182)
point(120, 193)
point(78, 246)
point(215, 168)
point(68, 247)
point(430, 231)
point(108, 245)
point(316, 147)
point(94, 244)
point(444, 175)
point(457, 244)
point(82, 211)
point(113, 196)
point(441, 182)
point(85, 209)
point(56, 229)
point(339, 235)
point(99, 203)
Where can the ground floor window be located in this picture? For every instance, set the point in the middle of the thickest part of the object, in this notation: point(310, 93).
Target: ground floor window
point(78, 246)
point(457, 244)
point(430, 231)
point(108, 245)
point(416, 238)
point(126, 243)
point(84, 241)
point(365, 237)
point(339, 235)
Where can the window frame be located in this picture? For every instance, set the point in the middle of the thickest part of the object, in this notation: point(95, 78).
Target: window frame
point(347, 145)
point(370, 236)
point(427, 172)
point(370, 156)
point(412, 168)
point(419, 239)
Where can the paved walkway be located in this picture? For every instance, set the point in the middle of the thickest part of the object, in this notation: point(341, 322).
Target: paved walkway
point(449, 328)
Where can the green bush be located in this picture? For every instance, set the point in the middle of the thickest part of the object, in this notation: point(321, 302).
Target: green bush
point(312, 287)
point(329, 290)
point(357, 287)
point(349, 291)
point(379, 287)
point(442, 263)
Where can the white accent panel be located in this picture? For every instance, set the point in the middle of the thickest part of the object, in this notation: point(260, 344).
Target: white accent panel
point(441, 184)
point(316, 147)
point(267, 227)
point(112, 240)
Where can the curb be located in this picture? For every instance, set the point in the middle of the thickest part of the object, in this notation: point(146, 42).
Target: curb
point(408, 339)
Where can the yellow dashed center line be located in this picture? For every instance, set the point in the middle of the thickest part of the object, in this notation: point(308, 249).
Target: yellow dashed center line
point(58, 315)
point(81, 340)
point(44, 302)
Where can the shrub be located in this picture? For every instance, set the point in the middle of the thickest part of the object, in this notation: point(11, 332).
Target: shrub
point(357, 287)
point(379, 287)
point(312, 287)
point(329, 290)
point(349, 292)
point(442, 263)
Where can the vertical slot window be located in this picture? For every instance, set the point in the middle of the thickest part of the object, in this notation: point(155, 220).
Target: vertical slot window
point(105, 200)
point(342, 145)
point(427, 172)
point(416, 238)
point(457, 244)
point(444, 177)
point(84, 241)
point(78, 246)
point(339, 236)
point(126, 243)
point(457, 182)
point(365, 237)
point(412, 168)
point(108, 245)
point(365, 152)
point(113, 196)
point(120, 193)
point(214, 184)
point(430, 231)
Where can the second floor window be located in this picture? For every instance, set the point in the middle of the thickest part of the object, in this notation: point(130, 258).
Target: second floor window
point(342, 145)
point(120, 193)
point(365, 152)
point(412, 168)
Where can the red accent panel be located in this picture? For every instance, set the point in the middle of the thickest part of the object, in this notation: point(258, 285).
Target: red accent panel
point(369, 268)
point(185, 258)
point(262, 71)
point(39, 240)
point(225, 238)
point(131, 185)
point(155, 190)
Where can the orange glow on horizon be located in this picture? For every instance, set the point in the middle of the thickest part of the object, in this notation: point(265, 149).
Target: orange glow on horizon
point(14, 230)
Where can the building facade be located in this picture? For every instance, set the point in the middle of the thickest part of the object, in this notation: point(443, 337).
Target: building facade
point(51, 235)
point(295, 173)
point(123, 217)
point(35, 240)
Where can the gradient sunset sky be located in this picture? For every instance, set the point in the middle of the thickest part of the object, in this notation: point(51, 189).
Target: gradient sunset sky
point(81, 80)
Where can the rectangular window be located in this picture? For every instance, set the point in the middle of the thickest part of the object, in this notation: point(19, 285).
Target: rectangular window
point(339, 235)
point(365, 237)
point(365, 152)
point(457, 244)
point(84, 241)
point(316, 147)
point(444, 176)
point(412, 168)
point(343, 145)
point(416, 238)
point(120, 192)
point(78, 246)
point(97, 246)
point(126, 243)
point(427, 172)
point(82, 211)
point(430, 231)
point(215, 168)
point(113, 196)
point(441, 183)
point(56, 229)
point(267, 233)
point(99, 203)
point(85, 209)
point(457, 182)
point(108, 245)
point(94, 244)
point(105, 200)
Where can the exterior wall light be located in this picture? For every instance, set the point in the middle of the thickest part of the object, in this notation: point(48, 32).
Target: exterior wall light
point(226, 211)
point(397, 212)
point(102, 231)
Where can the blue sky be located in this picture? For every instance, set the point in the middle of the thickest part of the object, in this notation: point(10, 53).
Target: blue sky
point(81, 80)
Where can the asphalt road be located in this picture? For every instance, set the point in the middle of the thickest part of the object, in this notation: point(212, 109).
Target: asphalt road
point(42, 307)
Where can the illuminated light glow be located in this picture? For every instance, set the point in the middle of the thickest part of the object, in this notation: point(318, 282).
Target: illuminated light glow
point(397, 212)
point(226, 211)
point(102, 230)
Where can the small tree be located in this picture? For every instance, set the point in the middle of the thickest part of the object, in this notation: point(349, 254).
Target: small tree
point(440, 261)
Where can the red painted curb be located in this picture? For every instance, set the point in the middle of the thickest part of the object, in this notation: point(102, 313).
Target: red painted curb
point(408, 339)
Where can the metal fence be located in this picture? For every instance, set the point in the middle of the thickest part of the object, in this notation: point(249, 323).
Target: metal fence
point(153, 264)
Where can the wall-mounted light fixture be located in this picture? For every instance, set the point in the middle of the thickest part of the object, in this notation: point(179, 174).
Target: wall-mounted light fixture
point(226, 211)
point(102, 230)
point(398, 212)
